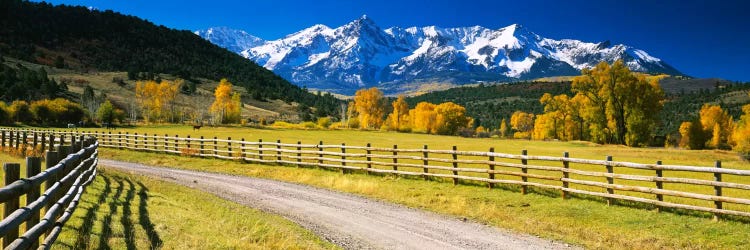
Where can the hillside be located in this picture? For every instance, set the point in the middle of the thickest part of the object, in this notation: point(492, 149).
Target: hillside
point(122, 95)
point(86, 40)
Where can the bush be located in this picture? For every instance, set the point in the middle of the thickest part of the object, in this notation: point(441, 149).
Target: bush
point(308, 125)
point(21, 112)
point(337, 125)
point(324, 122)
point(353, 123)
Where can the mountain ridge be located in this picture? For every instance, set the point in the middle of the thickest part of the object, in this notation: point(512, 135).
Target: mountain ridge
point(362, 54)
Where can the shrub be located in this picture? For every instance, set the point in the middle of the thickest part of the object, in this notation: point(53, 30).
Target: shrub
point(324, 122)
point(308, 125)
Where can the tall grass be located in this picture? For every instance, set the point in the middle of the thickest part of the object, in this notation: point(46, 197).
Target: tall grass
point(123, 211)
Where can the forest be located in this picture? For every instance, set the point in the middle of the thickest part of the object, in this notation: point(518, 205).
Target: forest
point(84, 40)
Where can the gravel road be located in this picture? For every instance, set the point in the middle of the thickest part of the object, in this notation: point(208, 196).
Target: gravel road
point(350, 221)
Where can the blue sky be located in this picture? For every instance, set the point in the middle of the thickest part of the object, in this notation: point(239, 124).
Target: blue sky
point(700, 38)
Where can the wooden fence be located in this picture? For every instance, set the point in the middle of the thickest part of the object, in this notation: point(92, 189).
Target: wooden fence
point(710, 189)
point(69, 169)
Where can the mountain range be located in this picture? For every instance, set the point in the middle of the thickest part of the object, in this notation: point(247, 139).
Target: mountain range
point(361, 54)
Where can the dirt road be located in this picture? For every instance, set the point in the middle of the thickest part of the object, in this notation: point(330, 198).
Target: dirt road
point(349, 221)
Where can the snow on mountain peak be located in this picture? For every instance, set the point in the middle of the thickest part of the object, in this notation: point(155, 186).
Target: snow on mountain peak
point(231, 39)
point(361, 54)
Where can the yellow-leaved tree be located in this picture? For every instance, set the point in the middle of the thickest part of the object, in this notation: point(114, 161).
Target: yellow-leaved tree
point(451, 118)
point(423, 117)
point(621, 107)
point(370, 108)
point(226, 106)
point(545, 126)
point(717, 126)
point(168, 91)
point(741, 134)
point(157, 100)
point(523, 123)
point(503, 129)
point(398, 120)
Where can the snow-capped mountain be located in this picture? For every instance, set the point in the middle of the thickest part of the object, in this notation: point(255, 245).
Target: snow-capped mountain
point(231, 39)
point(362, 54)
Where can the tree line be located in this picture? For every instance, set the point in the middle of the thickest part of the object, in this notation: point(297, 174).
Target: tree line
point(714, 128)
point(368, 111)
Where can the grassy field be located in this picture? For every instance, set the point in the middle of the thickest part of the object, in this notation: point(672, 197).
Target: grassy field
point(584, 221)
point(122, 211)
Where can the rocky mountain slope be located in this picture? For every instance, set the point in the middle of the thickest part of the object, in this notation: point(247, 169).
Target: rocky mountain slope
point(362, 54)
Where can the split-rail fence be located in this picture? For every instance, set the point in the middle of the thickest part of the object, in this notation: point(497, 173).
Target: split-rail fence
point(69, 167)
point(709, 190)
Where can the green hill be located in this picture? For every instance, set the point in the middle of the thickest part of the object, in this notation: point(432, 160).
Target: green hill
point(89, 40)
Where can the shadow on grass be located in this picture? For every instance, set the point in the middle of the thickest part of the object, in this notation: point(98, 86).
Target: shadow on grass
point(84, 235)
point(107, 220)
point(96, 214)
point(144, 220)
point(127, 225)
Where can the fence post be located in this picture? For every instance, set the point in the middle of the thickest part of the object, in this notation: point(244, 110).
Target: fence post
point(200, 152)
point(216, 147)
point(566, 175)
point(10, 139)
point(242, 149)
point(717, 191)
point(73, 145)
point(119, 140)
point(2, 138)
point(369, 159)
point(229, 146)
point(155, 143)
point(299, 154)
point(278, 152)
point(135, 140)
point(24, 139)
point(610, 179)
point(343, 158)
point(33, 167)
point(455, 165)
point(524, 170)
point(395, 157)
point(44, 141)
point(320, 155)
point(12, 173)
point(166, 143)
point(51, 140)
point(425, 162)
point(35, 141)
point(659, 185)
point(260, 149)
point(187, 142)
point(177, 144)
point(492, 168)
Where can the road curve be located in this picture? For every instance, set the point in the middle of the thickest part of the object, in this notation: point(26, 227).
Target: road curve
point(349, 221)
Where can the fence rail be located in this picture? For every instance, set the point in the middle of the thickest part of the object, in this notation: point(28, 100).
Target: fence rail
point(69, 169)
point(711, 189)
